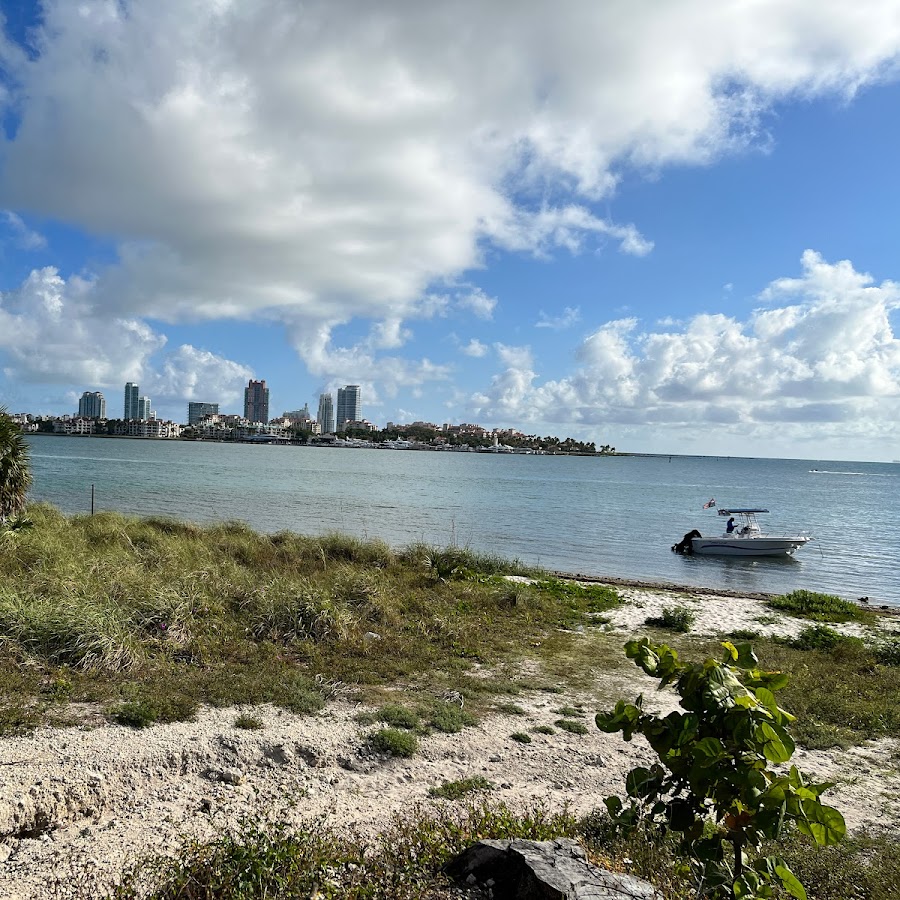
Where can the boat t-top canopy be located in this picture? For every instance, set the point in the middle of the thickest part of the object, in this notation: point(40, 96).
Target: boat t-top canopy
point(741, 512)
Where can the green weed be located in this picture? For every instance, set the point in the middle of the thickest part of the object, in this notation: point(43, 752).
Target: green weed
point(393, 742)
point(820, 607)
point(454, 790)
point(674, 618)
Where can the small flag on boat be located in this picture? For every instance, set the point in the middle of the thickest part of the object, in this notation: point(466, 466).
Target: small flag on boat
point(710, 503)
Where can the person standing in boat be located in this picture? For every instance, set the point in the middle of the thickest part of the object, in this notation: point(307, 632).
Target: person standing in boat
point(729, 528)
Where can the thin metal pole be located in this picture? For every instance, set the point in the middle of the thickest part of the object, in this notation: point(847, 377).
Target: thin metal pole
point(92, 499)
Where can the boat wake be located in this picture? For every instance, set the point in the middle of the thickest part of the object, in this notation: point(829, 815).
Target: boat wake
point(863, 474)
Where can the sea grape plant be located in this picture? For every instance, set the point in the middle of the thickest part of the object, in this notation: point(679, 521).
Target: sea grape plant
point(714, 785)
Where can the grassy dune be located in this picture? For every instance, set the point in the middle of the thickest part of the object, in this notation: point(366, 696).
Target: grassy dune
point(116, 610)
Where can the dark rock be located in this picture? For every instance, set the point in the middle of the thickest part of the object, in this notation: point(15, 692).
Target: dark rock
point(543, 870)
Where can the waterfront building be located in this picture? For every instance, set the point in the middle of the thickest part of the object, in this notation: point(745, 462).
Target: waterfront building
point(256, 401)
point(144, 412)
point(198, 411)
point(80, 426)
point(92, 405)
point(326, 414)
point(131, 401)
point(348, 406)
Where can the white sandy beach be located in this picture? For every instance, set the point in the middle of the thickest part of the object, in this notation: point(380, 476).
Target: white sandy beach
point(99, 796)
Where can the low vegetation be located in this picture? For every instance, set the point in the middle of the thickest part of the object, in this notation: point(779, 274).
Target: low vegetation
point(393, 742)
point(123, 611)
point(405, 861)
point(455, 790)
point(673, 618)
point(820, 607)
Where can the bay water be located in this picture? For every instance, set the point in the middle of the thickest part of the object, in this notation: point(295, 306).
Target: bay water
point(599, 516)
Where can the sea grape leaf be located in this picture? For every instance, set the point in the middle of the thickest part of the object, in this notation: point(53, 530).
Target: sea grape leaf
point(824, 824)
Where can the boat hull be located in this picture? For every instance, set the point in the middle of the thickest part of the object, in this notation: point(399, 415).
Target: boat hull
point(747, 546)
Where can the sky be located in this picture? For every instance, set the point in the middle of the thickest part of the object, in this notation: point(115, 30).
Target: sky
point(665, 225)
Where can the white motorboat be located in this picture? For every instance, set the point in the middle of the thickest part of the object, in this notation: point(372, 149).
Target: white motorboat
point(745, 538)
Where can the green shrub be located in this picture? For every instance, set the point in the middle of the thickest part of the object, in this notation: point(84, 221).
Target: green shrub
point(520, 737)
point(816, 637)
point(543, 729)
point(819, 607)
point(248, 722)
point(450, 718)
point(394, 742)
point(397, 716)
point(888, 652)
point(673, 618)
point(453, 790)
point(510, 709)
point(713, 785)
point(744, 634)
point(571, 727)
point(570, 712)
point(142, 712)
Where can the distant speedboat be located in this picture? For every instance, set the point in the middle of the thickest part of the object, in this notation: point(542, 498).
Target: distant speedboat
point(746, 539)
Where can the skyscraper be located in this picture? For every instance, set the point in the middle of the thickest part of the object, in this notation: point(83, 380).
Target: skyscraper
point(326, 414)
point(349, 408)
point(92, 405)
point(131, 401)
point(143, 409)
point(198, 411)
point(256, 401)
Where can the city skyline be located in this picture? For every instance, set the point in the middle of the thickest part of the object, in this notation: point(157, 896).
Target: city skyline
point(651, 226)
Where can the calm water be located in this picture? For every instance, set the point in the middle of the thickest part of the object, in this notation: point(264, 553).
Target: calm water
point(606, 517)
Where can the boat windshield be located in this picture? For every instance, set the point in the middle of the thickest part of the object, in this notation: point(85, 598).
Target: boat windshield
point(741, 512)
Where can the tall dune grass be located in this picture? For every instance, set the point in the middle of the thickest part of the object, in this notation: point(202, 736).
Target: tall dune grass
point(176, 606)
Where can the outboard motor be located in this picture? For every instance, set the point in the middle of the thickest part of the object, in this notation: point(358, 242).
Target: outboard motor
point(685, 545)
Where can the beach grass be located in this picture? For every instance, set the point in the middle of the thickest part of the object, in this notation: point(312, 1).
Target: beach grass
point(123, 610)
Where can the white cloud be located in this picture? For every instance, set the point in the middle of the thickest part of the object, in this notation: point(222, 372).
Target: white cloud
point(479, 303)
point(189, 373)
point(51, 332)
point(24, 237)
point(569, 317)
point(828, 359)
point(475, 348)
point(327, 161)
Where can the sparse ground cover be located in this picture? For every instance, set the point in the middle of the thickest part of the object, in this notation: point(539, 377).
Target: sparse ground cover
point(147, 621)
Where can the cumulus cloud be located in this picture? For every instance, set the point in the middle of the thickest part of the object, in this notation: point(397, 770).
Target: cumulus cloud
point(51, 332)
point(327, 161)
point(819, 350)
point(189, 373)
point(479, 303)
point(569, 317)
point(475, 348)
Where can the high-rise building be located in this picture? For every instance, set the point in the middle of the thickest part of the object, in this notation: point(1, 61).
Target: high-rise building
point(92, 405)
point(349, 408)
point(144, 412)
point(256, 401)
point(131, 401)
point(326, 414)
point(198, 411)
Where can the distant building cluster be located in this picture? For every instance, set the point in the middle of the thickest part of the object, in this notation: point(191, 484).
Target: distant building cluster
point(339, 424)
point(204, 419)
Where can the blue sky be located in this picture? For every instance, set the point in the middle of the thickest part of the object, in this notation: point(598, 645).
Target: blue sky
point(668, 227)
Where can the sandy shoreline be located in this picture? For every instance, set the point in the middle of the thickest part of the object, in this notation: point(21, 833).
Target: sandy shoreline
point(99, 796)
